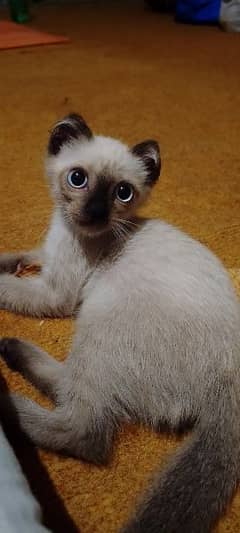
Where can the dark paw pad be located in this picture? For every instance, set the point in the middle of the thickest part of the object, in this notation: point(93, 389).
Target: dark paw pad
point(10, 349)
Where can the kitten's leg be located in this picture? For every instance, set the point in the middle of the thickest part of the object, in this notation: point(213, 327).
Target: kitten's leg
point(75, 427)
point(10, 261)
point(62, 429)
point(34, 364)
point(42, 426)
point(33, 296)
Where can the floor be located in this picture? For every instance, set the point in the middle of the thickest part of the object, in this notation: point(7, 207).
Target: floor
point(134, 75)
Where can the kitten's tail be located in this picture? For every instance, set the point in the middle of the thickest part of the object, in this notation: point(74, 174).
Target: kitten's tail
point(195, 489)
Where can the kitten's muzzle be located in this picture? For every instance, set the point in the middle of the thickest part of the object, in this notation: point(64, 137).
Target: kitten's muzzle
point(96, 212)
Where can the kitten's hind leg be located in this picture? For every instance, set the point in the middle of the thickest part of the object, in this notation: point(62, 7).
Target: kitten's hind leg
point(33, 363)
point(59, 430)
point(10, 261)
point(44, 427)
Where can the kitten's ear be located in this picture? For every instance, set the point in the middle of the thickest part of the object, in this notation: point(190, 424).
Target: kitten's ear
point(149, 153)
point(71, 127)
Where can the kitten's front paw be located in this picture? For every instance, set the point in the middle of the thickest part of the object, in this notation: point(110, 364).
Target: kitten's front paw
point(8, 263)
point(10, 349)
point(4, 281)
point(7, 292)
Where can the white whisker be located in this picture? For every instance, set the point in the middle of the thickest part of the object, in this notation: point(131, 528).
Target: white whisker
point(126, 222)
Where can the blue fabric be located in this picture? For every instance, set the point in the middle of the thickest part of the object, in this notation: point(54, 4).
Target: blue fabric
point(198, 11)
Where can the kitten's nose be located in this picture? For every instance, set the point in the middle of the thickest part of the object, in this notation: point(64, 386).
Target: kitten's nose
point(97, 210)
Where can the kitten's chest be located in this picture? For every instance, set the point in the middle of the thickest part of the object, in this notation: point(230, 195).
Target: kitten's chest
point(64, 261)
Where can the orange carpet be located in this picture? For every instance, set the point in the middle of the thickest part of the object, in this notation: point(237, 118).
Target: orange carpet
point(134, 75)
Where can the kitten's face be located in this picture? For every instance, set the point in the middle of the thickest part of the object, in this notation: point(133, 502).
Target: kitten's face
point(97, 181)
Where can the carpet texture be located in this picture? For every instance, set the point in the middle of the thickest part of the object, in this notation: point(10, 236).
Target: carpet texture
point(134, 75)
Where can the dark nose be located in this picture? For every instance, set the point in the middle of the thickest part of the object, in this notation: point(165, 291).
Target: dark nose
point(97, 210)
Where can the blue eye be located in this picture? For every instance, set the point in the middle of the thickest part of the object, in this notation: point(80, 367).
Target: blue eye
point(124, 192)
point(77, 178)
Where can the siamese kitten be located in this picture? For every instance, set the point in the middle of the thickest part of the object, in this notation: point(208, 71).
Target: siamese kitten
point(157, 330)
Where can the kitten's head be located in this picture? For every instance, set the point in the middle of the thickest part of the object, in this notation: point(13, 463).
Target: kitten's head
point(98, 181)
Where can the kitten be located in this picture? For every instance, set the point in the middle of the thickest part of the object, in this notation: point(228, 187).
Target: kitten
point(157, 330)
